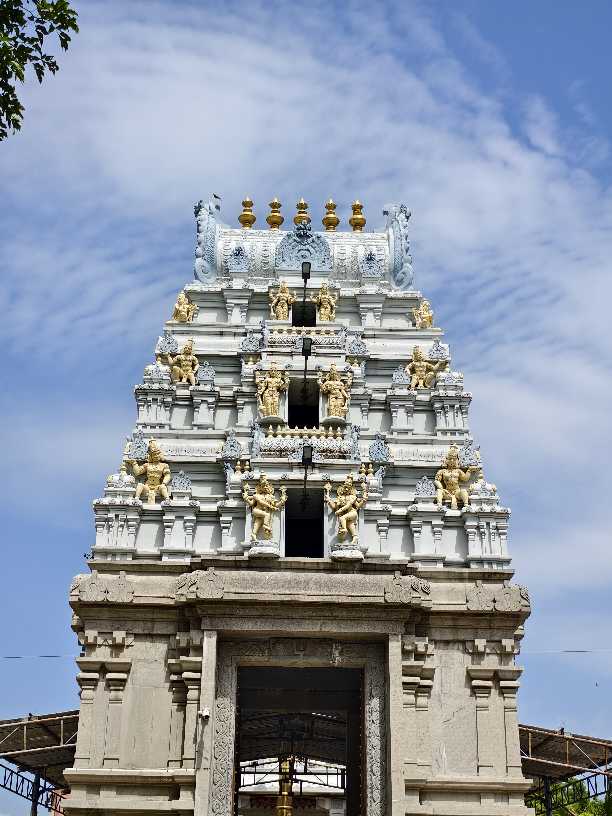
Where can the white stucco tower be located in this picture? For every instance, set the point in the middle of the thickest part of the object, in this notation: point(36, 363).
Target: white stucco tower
point(299, 573)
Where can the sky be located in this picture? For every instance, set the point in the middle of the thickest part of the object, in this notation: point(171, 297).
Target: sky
point(491, 121)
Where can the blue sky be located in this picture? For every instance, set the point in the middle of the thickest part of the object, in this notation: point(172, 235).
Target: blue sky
point(491, 121)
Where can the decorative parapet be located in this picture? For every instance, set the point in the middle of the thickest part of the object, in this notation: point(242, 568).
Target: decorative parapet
point(327, 443)
point(290, 338)
point(365, 258)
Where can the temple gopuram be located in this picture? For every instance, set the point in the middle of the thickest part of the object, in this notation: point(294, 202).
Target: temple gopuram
point(299, 596)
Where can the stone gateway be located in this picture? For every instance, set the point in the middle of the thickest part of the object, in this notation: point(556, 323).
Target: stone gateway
point(299, 597)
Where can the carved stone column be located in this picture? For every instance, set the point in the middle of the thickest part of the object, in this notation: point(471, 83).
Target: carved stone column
point(482, 684)
point(509, 686)
point(88, 683)
point(205, 721)
point(116, 678)
point(417, 684)
point(191, 677)
point(177, 721)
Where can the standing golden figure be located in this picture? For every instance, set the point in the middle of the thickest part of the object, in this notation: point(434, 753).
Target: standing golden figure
point(422, 372)
point(184, 309)
point(155, 471)
point(263, 504)
point(183, 366)
point(325, 302)
point(449, 478)
point(270, 384)
point(346, 506)
point(423, 316)
point(280, 302)
point(337, 389)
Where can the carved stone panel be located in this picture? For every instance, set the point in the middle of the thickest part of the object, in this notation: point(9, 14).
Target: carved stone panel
point(285, 651)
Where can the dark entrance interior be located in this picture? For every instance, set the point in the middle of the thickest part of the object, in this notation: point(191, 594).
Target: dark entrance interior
point(304, 524)
point(303, 314)
point(303, 404)
point(310, 719)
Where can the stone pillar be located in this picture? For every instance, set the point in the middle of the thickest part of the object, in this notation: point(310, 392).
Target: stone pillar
point(206, 722)
point(394, 712)
point(115, 680)
point(192, 682)
point(482, 684)
point(177, 721)
point(88, 683)
point(509, 686)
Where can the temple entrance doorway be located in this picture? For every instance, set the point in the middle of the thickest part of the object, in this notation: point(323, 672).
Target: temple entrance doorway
point(299, 741)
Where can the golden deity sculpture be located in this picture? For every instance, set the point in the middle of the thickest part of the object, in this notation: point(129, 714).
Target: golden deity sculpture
point(263, 504)
point(183, 366)
point(423, 316)
point(346, 506)
point(337, 389)
point(184, 310)
point(325, 302)
point(155, 471)
point(449, 479)
point(280, 302)
point(270, 384)
point(422, 372)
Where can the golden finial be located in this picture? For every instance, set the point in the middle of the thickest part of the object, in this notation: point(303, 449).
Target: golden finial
point(357, 220)
point(301, 217)
point(275, 219)
point(247, 216)
point(330, 220)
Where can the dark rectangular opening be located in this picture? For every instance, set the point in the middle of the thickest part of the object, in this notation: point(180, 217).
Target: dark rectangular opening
point(304, 524)
point(313, 717)
point(303, 314)
point(303, 408)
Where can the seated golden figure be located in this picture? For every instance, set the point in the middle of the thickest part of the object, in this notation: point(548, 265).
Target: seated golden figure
point(270, 384)
point(449, 478)
point(184, 310)
point(263, 504)
point(325, 302)
point(346, 506)
point(423, 316)
point(280, 302)
point(156, 473)
point(337, 389)
point(183, 366)
point(422, 372)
